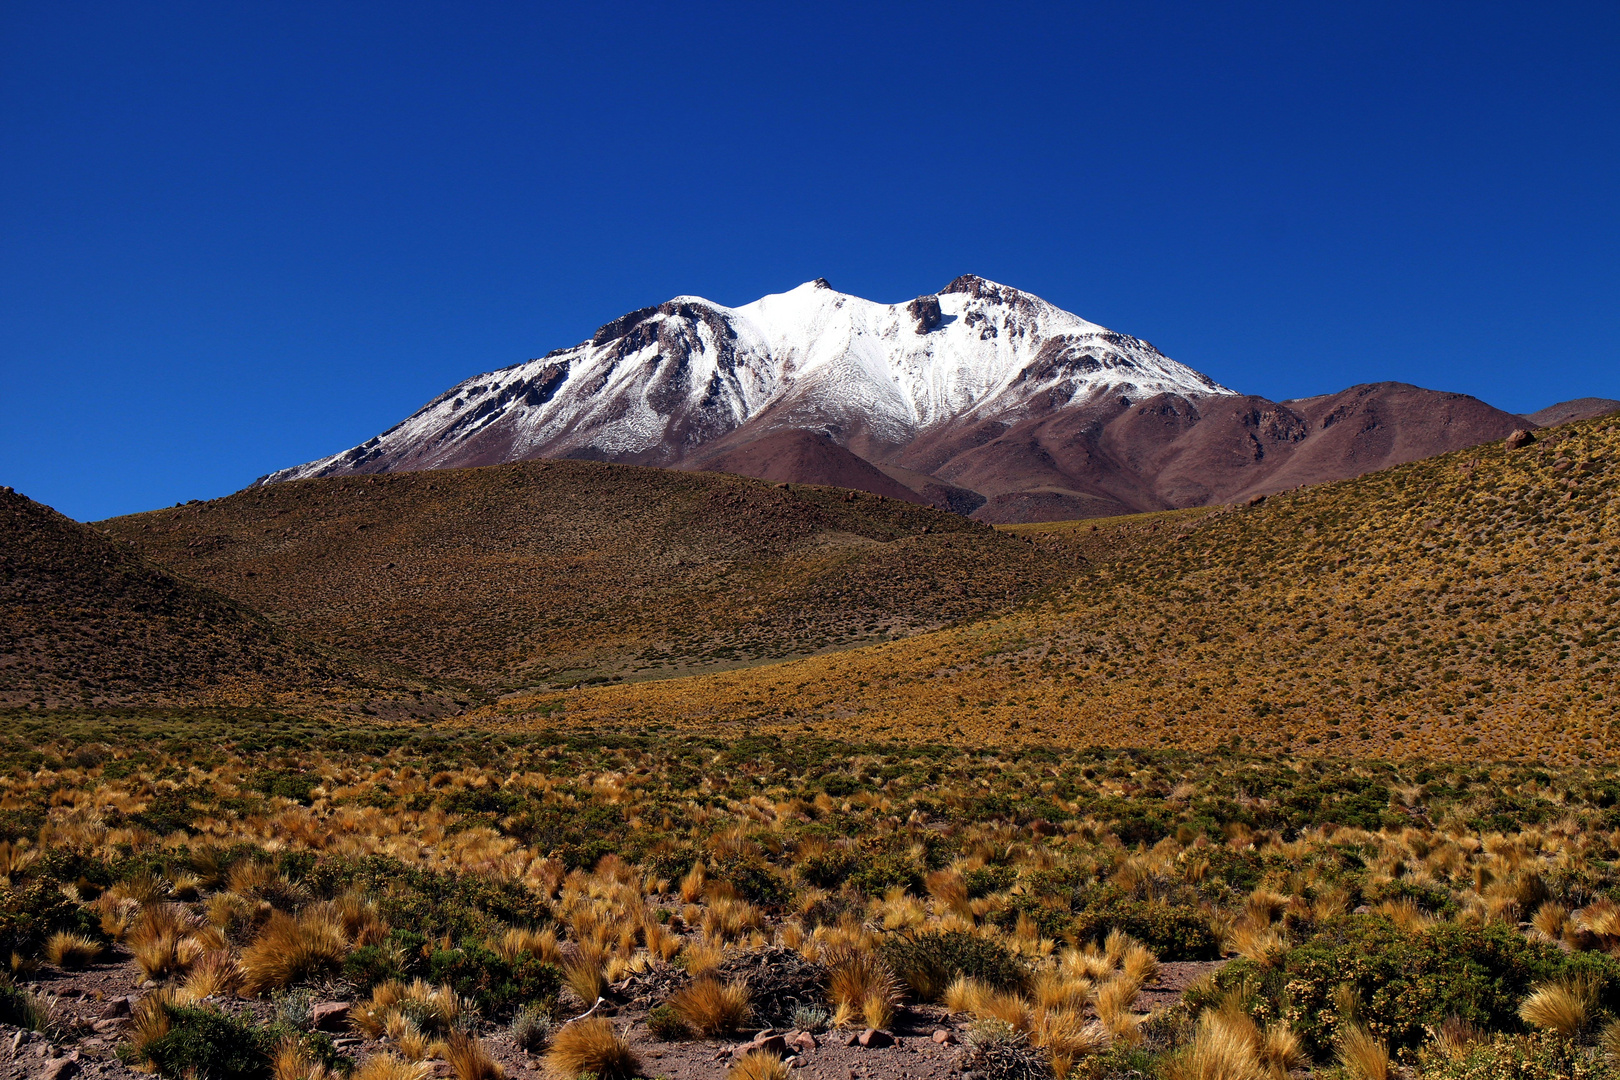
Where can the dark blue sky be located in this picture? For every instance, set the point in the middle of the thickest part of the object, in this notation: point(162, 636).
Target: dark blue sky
point(237, 236)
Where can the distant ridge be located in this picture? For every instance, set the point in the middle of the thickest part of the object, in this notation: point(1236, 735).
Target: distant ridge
point(1565, 412)
point(980, 398)
point(87, 620)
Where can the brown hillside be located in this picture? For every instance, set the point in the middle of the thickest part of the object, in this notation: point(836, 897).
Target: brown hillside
point(518, 575)
point(1460, 607)
point(83, 619)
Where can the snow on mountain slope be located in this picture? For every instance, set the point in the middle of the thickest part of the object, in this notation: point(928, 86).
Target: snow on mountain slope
point(654, 385)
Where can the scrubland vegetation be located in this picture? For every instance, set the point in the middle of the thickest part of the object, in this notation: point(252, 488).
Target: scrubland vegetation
point(1461, 608)
point(1081, 913)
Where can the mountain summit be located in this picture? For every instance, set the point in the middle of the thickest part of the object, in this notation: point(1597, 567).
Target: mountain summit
point(980, 398)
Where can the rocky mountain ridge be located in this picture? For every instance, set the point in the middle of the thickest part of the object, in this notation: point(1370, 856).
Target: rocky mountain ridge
point(981, 398)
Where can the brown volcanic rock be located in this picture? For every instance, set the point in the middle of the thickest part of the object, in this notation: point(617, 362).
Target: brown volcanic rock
point(83, 618)
point(803, 457)
point(555, 571)
point(1565, 412)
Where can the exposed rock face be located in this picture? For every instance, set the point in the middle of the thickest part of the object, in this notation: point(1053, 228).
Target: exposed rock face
point(981, 399)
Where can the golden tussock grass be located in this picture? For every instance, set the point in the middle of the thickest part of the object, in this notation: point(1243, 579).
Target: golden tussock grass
point(72, 951)
point(291, 949)
point(468, 1058)
point(758, 1065)
point(1563, 1007)
point(388, 1066)
point(1362, 1055)
point(290, 1061)
point(593, 1045)
point(710, 1006)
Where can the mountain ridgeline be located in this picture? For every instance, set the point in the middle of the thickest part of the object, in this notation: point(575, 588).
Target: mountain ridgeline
point(981, 399)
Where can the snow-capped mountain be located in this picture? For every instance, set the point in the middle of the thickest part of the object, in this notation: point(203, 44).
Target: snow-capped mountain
point(980, 398)
point(657, 384)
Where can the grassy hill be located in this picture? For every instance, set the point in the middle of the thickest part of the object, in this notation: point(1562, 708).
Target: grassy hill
point(557, 572)
point(85, 620)
point(1465, 606)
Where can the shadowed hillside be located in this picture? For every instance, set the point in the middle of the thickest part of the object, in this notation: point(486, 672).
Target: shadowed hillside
point(1466, 605)
point(559, 571)
point(85, 619)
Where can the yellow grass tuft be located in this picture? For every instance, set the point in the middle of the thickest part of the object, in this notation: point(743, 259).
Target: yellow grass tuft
point(758, 1065)
point(71, 951)
point(290, 950)
point(386, 1066)
point(861, 984)
point(1563, 1007)
point(1362, 1055)
point(290, 1061)
point(468, 1058)
point(592, 1045)
point(710, 1006)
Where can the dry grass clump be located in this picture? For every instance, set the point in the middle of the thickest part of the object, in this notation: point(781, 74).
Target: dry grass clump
point(759, 1065)
point(710, 1006)
point(862, 985)
point(292, 949)
point(592, 1045)
point(1362, 1055)
point(72, 951)
point(1563, 1007)
point(290, 1061)
point(388, 1066)
point(468, 1058)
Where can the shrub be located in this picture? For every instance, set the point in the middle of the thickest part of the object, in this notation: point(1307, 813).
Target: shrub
point(1172, 931)
point(928, 962)
point(988, 879)
point(1542, 1056)
point(883, 872)
point(29, 912)
point(666, 1024)
point(496, 985)
point(831, 868)
point(751, 876)
point(182, 1041)
point(1399, 983)
point(532, 1027)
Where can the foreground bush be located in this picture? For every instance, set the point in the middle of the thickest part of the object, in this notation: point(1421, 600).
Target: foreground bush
point(928, 963)
point(1394, 983)
point(1543, 1056)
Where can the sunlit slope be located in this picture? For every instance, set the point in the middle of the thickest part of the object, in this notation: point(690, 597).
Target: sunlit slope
point(1465, 605)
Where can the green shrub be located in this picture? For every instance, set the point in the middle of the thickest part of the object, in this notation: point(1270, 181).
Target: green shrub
point(30, 911)
point(666, 1024)
point(989, 879)
point(928, 962)
point(751, 876)
point(884, 871)
point(497, 986)
point(207, 1042)
point(1172, 931)
point(1542, 1056)
point(1406, 982)
point(831, 868)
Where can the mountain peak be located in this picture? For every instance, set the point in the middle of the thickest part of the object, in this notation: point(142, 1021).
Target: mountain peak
point(658, 385)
